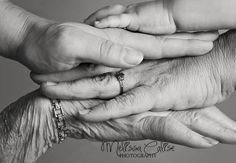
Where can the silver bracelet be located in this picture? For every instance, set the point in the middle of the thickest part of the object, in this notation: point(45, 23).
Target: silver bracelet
point(58, 115)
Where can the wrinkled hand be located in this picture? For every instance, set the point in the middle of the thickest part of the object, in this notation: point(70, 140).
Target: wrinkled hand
point(149, 17)
point(176, 84)
point(28, 129)
point(199, 128)
point(196, 128)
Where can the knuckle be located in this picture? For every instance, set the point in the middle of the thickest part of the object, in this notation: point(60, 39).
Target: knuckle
point(161, 42)
point(144, 126)
point(160, 78)
point(157, 128)
point(163, 128)
point(189, 135)
point(105, 48)
point(119, 104)
point(153, 128)
point(60, 36)
point(94, 69)
point(126, 99)
point(196, 117)
point(222, 130)
point(106, 107)
point(162, 39)
point(62, 41)
point(70, 89)
point(84, 131)
point(68, 85)
point(91, 68)
point(119, 35)
point(103, 79)
point(61, 32)
point(123, 104)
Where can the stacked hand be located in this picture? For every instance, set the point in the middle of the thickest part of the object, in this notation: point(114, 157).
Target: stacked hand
point(168, 91)
point(58, 51)
point(160, 85)
point(175, 84)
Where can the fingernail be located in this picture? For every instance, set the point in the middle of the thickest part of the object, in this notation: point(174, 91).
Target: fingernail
point(50, 84)
point(133, 59)
point(206, 47)
point(211, 141)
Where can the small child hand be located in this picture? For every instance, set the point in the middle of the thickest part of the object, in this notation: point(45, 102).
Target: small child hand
point(152, 17)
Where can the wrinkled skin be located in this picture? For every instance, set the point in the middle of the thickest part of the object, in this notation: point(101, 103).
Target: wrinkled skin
point(27, 128)
point(187, 128)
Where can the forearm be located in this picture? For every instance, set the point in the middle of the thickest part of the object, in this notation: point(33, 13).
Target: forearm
point(15, 22)
point(26, 130)
point(195, 15)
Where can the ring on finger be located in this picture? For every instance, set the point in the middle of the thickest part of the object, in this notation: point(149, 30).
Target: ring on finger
point(120, 78)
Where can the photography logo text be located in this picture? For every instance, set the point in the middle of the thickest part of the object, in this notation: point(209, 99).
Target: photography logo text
point(129, 149)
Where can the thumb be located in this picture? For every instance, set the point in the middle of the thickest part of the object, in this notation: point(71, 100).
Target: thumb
point(111, 54)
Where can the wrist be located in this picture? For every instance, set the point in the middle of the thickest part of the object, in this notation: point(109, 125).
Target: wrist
point(32, 30)
point(27, 126)
point(42, 109)
point(15, 27)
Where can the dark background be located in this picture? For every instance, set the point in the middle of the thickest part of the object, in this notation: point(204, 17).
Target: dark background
point(15, 82)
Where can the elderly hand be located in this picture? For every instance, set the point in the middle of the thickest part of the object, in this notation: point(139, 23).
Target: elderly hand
point(176, 84)
point(27, 128)
point(199, 128)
